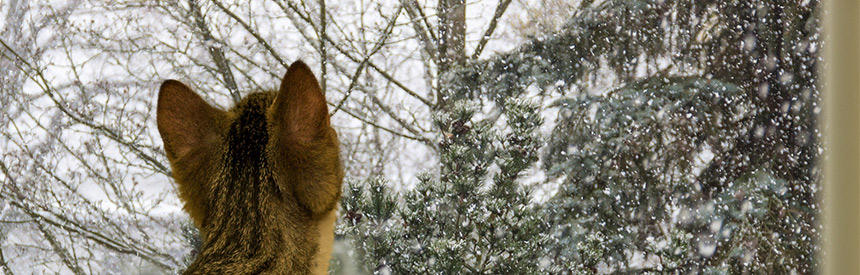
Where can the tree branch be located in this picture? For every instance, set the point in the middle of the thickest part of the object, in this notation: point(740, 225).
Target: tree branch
point(43, 83)
point(61, 252)
point(424, 34)
point(323, 52)
point(500, 10)
point(217, 54)
point(355, 59)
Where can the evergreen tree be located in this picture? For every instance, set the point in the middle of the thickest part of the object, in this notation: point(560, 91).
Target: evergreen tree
point(469, 219)
point(703, 159)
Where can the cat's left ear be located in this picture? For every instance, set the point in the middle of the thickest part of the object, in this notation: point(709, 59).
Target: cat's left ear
point(185, 121)
point(299, 112)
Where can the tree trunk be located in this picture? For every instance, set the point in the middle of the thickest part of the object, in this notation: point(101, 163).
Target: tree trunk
point(452, 42)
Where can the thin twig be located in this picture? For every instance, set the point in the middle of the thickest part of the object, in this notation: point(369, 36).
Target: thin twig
point(371, 123)
point(252, 32)
point(217, 54)
point(376, 48)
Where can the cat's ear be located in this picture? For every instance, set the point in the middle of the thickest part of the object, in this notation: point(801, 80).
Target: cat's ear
point(306, 156)
point(299, 111)
point(185, 120)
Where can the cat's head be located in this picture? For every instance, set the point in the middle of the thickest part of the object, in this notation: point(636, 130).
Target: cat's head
point(280, 140)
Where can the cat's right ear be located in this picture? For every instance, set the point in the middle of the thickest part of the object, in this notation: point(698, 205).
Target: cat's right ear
point(185, 120)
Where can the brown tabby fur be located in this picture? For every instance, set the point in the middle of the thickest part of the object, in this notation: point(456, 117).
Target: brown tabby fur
point(261, 181)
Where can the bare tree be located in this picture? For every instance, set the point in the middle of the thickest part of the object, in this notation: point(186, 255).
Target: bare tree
point(85, 185)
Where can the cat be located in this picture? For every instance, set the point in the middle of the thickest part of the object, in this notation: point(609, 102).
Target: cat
point(260, 181)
